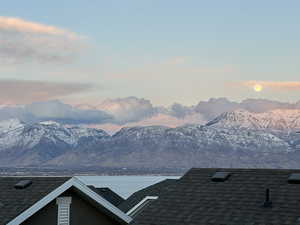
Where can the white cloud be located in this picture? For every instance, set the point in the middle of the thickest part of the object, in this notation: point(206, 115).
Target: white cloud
point(25, 41)
point(129, 109)
point(64, 113)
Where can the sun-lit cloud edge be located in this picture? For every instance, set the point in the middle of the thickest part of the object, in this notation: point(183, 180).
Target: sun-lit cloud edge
point(278, 85)
point(23, 41)
point(20, 25)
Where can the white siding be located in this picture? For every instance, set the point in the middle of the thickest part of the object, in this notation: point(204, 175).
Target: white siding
point(63, 214)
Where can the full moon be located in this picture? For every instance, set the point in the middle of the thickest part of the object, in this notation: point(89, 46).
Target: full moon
point(257, 88)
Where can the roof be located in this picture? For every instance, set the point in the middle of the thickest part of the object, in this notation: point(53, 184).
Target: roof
point(14, 201)
point(197, 200)
point(153, 190)
point(19, 204)
point(141, 206)
point(108, 194)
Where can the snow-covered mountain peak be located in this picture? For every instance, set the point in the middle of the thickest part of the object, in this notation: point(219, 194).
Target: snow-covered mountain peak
point(230, 138)
point(141, 131)
point(49, 123)
point(237, 118)
point(11, 124)
point(279, 119)
point(16, 134)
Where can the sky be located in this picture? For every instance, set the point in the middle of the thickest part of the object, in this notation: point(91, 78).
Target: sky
point(84, 52)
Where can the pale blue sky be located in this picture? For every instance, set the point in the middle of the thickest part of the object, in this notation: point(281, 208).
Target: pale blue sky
point(169, 50)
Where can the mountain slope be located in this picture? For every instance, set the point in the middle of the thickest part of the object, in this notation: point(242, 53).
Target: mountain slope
point(233, 139)
point(184, 147)
point(284, 120)
point(24, 144)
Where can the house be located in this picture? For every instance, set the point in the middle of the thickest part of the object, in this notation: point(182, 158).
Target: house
point(225, 197)
point(55, 201)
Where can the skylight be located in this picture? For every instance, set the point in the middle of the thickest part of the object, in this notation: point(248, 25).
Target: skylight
point(294, 178)
point(220, 176)
point(23, 184)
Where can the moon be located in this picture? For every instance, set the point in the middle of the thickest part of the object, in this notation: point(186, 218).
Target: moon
point(257, 88)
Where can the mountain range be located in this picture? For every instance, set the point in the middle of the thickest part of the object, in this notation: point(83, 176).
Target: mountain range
point(236, 138)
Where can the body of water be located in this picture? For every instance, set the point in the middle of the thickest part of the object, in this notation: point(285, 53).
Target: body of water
point(124, 185)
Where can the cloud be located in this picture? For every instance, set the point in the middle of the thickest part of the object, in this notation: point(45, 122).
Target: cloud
point(275, 85)
point(138, 111)
point(24, 41)
point(216, 106)
point(55, 111)
point(129, 109)
point(64, 113)
point(22, 92)
point(113, 114)
point(264, 105)
point(179, 111)
point(156, 120)
point(16, 24)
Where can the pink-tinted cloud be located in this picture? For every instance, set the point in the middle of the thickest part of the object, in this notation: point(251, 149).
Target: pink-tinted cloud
point(275, 85)
point(158, 119)
point(20, 25)
point(22, 92)
point(128, 109)
point(25, 41)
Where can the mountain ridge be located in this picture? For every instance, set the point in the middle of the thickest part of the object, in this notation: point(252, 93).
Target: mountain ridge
point(279, 119)
point(238, 138)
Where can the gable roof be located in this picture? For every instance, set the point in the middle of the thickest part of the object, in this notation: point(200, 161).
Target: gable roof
point(153, 190)
point(197, 200)
point(14, 201)
point(108, 194)
point(19, 204)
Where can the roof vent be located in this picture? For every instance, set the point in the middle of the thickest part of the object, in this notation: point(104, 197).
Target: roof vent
point(268, 202)
point(220, 176)
point(294, 178)
point(23, 184)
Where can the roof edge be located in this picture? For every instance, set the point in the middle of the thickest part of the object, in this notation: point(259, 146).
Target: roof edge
point(76, 183)
point(134, 208)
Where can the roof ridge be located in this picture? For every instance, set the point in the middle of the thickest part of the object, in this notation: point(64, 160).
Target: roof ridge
point(37, 176)
point(244, 169)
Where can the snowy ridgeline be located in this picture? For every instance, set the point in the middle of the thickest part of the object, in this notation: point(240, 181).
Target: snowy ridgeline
point(233, 137)
point(14, 133)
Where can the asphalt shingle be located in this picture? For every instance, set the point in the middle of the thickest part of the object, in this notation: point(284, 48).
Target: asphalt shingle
point(14, 201)
point(153, 190)
point(108, 194)
point(197, 200)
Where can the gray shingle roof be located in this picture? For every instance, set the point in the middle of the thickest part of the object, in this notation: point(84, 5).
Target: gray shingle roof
point(153, 190)
point(108, 194)
point(14, 201)
point(196, 200)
